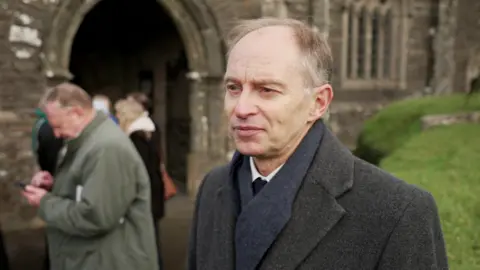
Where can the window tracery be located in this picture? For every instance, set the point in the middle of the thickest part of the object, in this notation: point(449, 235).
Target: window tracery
point(374, 51)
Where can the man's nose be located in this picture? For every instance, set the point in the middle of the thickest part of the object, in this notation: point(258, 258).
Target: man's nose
point(246, 105)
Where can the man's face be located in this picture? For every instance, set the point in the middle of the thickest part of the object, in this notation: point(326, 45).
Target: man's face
point(266, 100)
point(64, 121)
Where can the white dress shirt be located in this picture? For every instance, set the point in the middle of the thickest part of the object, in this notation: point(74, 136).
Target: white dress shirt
point(256, 174)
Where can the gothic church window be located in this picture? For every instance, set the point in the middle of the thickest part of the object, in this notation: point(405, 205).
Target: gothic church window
point(374, 47)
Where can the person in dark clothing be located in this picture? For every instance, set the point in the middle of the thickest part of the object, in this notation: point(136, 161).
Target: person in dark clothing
point(46, 148)
point(292, 196)
point(141, 129)
point(142, 99)
point(45, 145)
point(3, 254)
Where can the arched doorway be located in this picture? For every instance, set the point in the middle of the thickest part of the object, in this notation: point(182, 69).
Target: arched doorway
point(203, 51)
point(123, 46)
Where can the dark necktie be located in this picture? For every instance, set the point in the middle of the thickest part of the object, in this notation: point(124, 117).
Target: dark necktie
point(257, 185)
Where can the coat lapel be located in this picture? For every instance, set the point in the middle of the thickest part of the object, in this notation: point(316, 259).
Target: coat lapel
point(222, 246)
point(315, 210)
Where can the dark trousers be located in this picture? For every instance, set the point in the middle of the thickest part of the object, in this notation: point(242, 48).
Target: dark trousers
point(156, 223)
point(3, 254)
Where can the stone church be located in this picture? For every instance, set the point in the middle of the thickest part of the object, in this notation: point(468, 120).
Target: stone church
point(174, 51)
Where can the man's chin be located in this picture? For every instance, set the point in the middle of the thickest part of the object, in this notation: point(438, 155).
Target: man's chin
point(250, 149)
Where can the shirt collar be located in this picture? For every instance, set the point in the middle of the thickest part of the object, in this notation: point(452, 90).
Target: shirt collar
point(256, 174)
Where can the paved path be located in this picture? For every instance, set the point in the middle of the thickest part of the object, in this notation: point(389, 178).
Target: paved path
point(26, 252)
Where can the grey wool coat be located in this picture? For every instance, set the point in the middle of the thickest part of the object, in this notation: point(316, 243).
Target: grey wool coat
point(346, 214)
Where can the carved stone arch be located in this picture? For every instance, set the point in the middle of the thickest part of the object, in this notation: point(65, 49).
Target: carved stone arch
point(204, 49)
point(195, 24)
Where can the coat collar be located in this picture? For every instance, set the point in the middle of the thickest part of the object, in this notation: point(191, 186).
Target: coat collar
point(74, 144)
point(332, 166)
point(314, 212)
point(40, 114)
point(316, 209)
point(143, 123)
point(332, 160)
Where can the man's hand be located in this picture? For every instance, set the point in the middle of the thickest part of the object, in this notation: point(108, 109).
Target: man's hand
point(42, 179)
point(34, 195)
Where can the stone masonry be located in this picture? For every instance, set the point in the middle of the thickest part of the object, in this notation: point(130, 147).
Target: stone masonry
point(36, 38)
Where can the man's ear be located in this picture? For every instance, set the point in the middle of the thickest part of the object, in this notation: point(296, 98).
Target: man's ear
point(78, 110)
point(323, 96)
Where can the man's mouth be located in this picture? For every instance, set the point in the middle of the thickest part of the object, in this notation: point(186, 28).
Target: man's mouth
point(246, 130)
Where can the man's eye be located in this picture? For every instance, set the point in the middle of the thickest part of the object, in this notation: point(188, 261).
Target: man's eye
point(233, 87)
point(267, 90)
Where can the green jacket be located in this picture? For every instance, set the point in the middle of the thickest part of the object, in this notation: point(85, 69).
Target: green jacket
point(41, 118)
point(98, 213)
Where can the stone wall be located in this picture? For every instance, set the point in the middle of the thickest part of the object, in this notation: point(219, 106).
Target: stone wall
point(436, 120)
point(352, 106)
point(27, 67)
point(444, 47)
point(33, 53)
point(21, 81)
point(467, 45)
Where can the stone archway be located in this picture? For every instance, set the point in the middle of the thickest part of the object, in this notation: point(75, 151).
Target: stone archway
point(205, 57)
point(198, 31)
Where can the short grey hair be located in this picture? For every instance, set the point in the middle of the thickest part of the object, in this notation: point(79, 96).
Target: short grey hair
point(66, 95)
point(317, 56)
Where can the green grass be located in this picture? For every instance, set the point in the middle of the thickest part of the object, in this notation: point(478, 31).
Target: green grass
point(446, 162)
point(397, 123)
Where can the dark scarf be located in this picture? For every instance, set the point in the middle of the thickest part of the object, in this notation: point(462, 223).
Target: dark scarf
point(261, 218)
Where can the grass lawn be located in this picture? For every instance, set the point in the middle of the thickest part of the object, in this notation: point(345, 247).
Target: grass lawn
point(394, 125)
point(446, 162)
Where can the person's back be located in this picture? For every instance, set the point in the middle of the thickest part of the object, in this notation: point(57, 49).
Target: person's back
point(169, 187)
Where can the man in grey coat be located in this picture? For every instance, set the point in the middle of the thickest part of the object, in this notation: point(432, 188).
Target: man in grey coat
point(293, 197)
point(97, 209)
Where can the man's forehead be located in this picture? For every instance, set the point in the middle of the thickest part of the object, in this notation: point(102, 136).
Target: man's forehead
point(260, 68)
point(52, 108)
point(269, 40)
point(51, 105)
point(260, 64)
point(270, 48)
point(270, 33)
point(244, 68)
